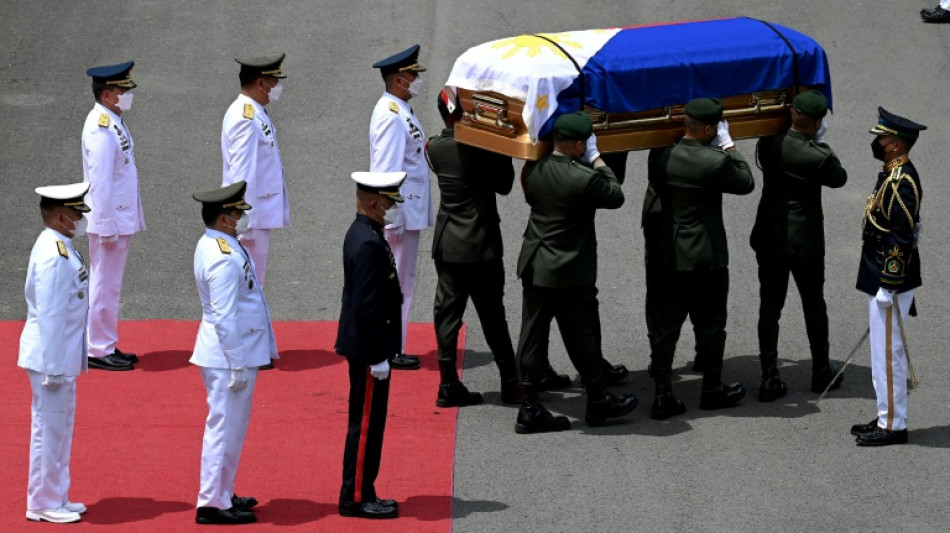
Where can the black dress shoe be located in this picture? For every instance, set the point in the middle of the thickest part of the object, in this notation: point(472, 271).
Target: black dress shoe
point(455, 394)
point(388, 503)
point(213, 515)
point(613, 373)
point(722, 397)
point(403, 362)
point(536, 419)
point(822, 377)
point(938, 15)
point(130, 357)
point(772, 388)
point(859, 429)
point(611, 406)
point(551, 380)
point(268, 366)
point(110, 362)
point(243, 503)
point(373, 509)
point(882, 437)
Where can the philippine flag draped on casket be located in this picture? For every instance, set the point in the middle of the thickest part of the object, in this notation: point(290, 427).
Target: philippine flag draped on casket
point(627, 70)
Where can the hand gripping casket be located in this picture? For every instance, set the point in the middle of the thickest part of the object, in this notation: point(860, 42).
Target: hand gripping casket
point(635, 82)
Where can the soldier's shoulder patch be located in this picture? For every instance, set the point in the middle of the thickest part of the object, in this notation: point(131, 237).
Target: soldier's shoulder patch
point(224, 246)
point(248, 111)
point(394, 107)
point(61, 247)
point(104, 120)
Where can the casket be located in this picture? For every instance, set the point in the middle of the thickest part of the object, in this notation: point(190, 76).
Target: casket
point(633, 82)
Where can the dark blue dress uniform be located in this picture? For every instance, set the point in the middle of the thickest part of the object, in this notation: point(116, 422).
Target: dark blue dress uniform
point(889, 273)
point(369, 333)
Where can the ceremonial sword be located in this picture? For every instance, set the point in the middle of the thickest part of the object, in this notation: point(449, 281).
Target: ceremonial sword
point(846, 362)
point(910, 367)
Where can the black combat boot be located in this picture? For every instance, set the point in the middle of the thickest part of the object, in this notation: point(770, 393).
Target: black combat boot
point(602, 404)
point(509, 381)
point(613, 373)
point(551, 380)
point(772, 387)
point(533, 417)
point(665, 405)
point(719, 395)
point(823, 371)
point(456, 394)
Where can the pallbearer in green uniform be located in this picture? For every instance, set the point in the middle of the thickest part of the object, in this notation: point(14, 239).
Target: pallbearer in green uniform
point(558, 270)
point(686, 254)
point(789, 237)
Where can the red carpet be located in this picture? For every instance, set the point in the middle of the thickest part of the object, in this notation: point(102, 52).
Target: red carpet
point(137, 442)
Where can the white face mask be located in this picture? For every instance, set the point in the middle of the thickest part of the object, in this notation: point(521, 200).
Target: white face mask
point(242, 224)
point(415, 86)
point(275, 91)
point(80, 227)
point(125, 101)
point(391, 214)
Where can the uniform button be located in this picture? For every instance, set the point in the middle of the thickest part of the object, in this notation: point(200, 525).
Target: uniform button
point(387, 321)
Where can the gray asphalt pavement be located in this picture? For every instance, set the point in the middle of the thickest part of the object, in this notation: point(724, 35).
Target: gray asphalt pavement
point(787, 466)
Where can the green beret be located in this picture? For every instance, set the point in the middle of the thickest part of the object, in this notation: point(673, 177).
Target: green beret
point(575, 126)
point(228, 197)
point(811, 103)
point(705, 110)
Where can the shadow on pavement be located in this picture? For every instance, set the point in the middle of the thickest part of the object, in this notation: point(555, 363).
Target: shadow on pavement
point(298, 360)
point(293, 512)
point(462, 508)
point(126, 510)
point(163, 361)
point(934, 437)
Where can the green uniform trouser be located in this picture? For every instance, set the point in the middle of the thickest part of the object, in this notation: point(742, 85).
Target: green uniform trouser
point(773, 287)
point(484, 283)
point(578, 318)
point(671, 297)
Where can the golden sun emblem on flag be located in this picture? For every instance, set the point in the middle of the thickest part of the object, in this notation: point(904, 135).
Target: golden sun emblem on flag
point(534, 45)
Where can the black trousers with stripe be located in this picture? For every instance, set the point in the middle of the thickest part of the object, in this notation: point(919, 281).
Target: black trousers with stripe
point(369, 400)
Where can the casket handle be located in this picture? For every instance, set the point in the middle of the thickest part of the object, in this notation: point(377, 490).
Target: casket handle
point(757, 104)
point(669, 114)
point(490, 112)
point(666, 115)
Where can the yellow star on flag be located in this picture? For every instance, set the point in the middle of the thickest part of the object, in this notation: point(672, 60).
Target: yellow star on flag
point(542, 103)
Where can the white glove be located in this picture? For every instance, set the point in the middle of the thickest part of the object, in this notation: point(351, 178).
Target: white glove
point(723, 140)
point(394, 234)
point(380, 371)
point(109, 241)
point(592, 153)
point(247, 237)
point(51, 380)
point(822, 130)
point(884, 297)
point(238, 379)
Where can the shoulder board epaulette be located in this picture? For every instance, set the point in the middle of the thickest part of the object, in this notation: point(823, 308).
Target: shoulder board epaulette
point(394, 107)
point(103, 120)
point(224, 246)
point(61, 246)
point(248, 111)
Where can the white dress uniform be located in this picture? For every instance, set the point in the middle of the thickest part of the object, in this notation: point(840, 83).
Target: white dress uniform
point(108, 163)
point(251, 153)
point(235, 332)
point(53, 343)
point(397, 144)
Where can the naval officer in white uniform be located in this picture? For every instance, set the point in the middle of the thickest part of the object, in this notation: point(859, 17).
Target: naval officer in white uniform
point(53, 349)
point(251, 154)
point(397, 144)
point(234, 338)
point(108, 163)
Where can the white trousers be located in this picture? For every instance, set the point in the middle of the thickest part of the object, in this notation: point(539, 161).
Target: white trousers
point(889, 361)
point(258, 249)
point(228, 415)
point(51, 442)
point(406, 253)
point(106, 270)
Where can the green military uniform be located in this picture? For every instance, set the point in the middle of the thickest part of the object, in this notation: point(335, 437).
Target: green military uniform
point(788, 236)
point(686, 253)
point(558, 262)
point(467, 249)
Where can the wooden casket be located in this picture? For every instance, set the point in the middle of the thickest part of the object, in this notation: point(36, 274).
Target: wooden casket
point(635, 83)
